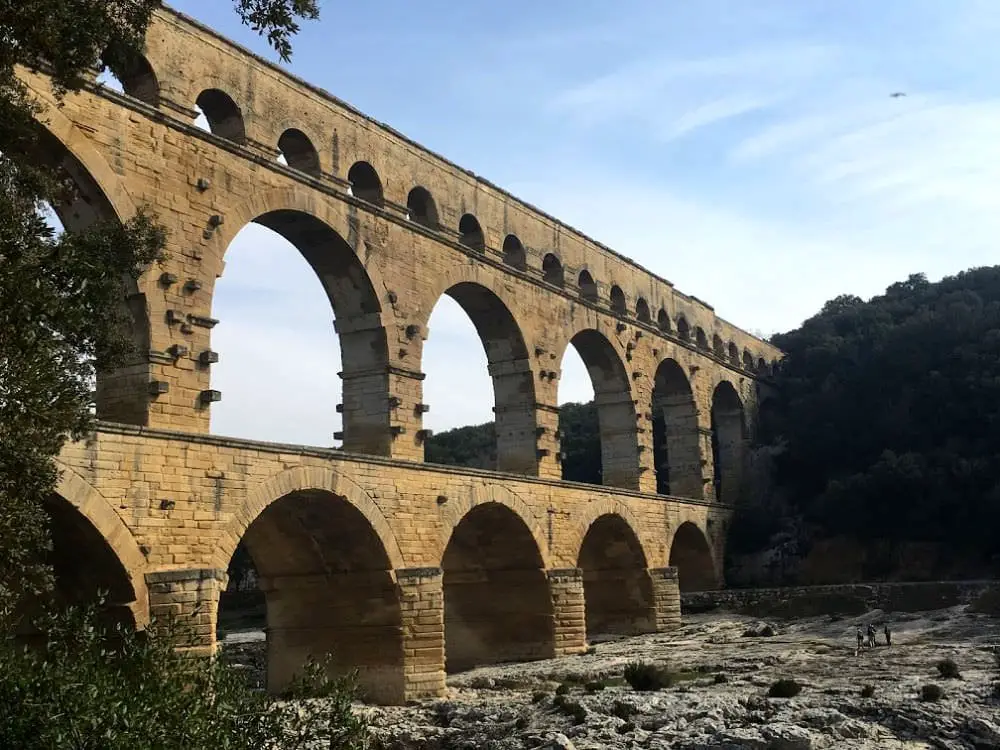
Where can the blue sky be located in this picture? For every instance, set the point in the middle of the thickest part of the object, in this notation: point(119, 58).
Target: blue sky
point(747, 151)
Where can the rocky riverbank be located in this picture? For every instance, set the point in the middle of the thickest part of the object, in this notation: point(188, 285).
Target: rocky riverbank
point(721, 677)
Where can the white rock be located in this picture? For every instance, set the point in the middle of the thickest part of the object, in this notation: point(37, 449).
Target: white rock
point(787, 737)
point(557, 741)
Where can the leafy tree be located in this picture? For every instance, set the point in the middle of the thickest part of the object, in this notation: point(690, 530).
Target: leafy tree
point(61, 311)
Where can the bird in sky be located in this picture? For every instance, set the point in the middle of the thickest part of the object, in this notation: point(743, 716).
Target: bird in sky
point(897, 94)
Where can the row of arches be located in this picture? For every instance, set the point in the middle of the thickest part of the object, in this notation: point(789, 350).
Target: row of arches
point(327, 577)
point(223, 117)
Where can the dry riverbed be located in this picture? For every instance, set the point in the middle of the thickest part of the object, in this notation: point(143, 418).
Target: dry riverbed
point(720, 697)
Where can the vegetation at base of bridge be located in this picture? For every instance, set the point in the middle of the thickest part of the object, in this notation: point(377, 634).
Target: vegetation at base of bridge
point(886, 426)
point(77, 683)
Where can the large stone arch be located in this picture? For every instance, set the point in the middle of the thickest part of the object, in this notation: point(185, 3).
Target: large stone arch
point(614, 564)
point(614, 396)
point(584, 517)
point(326, 562)
point(497, 602)
point(101, 515)
point(691, 552)
point(729, 441)
point(455, 509)
point(327, 235)
point(509, 366)
point(676, 437)
point(297, 479)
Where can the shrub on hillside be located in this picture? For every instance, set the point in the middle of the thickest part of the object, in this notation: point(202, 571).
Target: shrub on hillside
point(931, 693)
point(76, 690)
point(948, 669)
point(868, 691)
point(784, 688)
point(645, 677)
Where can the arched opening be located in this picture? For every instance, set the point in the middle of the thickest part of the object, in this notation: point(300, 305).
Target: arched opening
point(328, 590)
point(299, 151)
point(497, 606)
point(81, 205)
point(691, 554)
point(747, 360)
point(663, 320)
point(85, 569)
point(278, 353)
point(616, 420)
point(579, 433)
point(676, 442)
point(734, 353)
point(701, 340)
point(588, 288)
point(513, 253)
point(131, 74)
point(421, 208)
point(470, 233)
point(718, 346)
point(552, 270)
point(762, 367)
point(222, 114)
point(365, 183)
point(728, 442)
point(683, 328)
point(618, 593)
point(618, 303)
point(642, 311)
point(458, 385)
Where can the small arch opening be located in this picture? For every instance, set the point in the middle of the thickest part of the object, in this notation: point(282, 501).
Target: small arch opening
point(588, 287)
point(299, 151)
point(676, 438)
point(700, 338)
point(747, 360)
point(130, 73)
point(365, 183)
point(642, 311)
point(552, 270)
point(471, 233)
point(734, 353)
point(683, 328)
point(421, 208)
point(663, 320)
point(513, 253)
point(222, 115)
point(718, 346)
point(762, 367)
point(618, 302)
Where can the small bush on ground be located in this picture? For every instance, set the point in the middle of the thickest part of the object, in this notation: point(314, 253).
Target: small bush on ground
point(948, 669)
point(867, 691)
point(538, 696)
point(784, 688)
point(720, 678)
point(563, 689)
point(623, 710)
point(78, 691)
point(931, 693)
point(594, 686)
point(645, 677)
point(574, 710)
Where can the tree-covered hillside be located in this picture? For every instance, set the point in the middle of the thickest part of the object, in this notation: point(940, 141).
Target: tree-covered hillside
point(888, 418)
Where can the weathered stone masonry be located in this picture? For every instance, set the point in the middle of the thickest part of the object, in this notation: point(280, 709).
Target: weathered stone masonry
point(396, 567)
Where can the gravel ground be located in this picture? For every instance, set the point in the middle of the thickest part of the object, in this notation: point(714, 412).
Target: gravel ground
point(720, 697)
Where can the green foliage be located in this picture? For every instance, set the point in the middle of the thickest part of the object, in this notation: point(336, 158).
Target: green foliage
point(867, 691)
point(720, 678)
point(948, 669)
point(931, 693)
point(563, 689)
point(80, 691)
point(784, 688)
point(475, 446)
point(644, 676)
point(63, 310)
point(594, 686)
point(889, 415)
point(623, 710)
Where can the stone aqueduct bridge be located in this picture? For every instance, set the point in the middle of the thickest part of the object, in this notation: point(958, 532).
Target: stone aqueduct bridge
point(396, 566)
